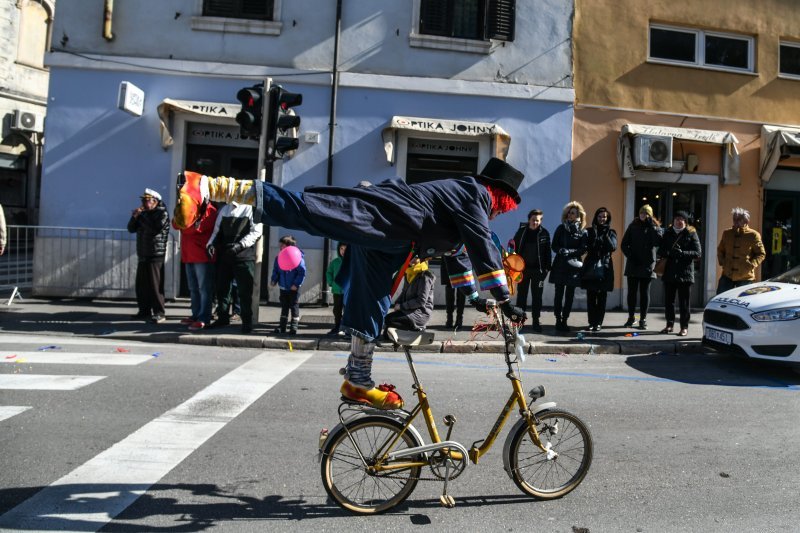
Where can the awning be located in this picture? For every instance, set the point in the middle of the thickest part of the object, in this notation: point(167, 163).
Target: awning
point(730, 155)
point(207, 109)
point(776, 143)
point(500, 138)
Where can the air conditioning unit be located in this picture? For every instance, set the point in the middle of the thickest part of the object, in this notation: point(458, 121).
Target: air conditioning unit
point(28, 121)
point(652, 151)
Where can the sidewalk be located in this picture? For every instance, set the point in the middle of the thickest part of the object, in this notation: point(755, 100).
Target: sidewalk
point(110, 319)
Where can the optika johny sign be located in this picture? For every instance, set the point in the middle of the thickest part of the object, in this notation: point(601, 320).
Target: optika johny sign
point(445, 126)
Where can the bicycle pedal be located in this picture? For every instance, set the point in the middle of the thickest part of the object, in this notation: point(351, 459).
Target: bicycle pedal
point(447, 501)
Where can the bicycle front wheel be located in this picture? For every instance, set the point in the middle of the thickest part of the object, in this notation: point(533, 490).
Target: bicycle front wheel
point(350, 483)
point(550, 478)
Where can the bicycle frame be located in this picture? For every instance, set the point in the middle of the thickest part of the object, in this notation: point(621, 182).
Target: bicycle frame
point(476, 452)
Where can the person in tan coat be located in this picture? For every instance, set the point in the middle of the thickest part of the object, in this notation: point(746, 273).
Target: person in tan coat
point(739, 253)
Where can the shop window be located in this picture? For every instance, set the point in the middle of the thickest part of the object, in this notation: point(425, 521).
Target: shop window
point(34, 33)
point(790, 59)
point(452, 24)
point(239, 16)
point(431, 159)
point(699, 48)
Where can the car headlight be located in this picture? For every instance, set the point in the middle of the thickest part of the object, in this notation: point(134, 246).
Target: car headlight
point(773, 315)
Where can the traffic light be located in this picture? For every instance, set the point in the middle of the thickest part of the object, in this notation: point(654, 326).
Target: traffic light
point(252, 114)
point(281, 122)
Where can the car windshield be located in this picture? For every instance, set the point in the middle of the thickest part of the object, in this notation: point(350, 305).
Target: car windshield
point(790, 276)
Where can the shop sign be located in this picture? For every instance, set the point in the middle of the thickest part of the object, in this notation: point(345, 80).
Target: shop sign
point(442, 147)
point(217, 135)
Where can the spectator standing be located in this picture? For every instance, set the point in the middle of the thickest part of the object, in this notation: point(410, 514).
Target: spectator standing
point(639, 246)
point(233, 242)
point(681, 247)
point(338, 294)
point(569, 244)
point(532, 243)
point(412, 309)
point(199, 268)
point(2, 232)
point(739, 253)
point(598, 267)
point(453, 300)
point(150, 223)
point(289, 282)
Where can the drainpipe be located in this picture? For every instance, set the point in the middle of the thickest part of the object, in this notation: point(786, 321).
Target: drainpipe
point(108, 16)
point(331, 129)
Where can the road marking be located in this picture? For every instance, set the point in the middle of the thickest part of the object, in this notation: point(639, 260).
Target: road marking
point(45, 381)
point(7, 411)
point(75, 358)
point(90, 496)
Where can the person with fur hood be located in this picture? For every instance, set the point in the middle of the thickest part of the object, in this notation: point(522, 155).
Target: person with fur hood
point(569, 245)
point(681, 247)
point(598, 267)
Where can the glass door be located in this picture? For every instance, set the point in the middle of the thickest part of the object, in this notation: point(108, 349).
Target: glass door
point(666, 199)
point(780, 233)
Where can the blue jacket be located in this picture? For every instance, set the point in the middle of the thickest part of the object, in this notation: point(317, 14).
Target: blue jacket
point(286, 278)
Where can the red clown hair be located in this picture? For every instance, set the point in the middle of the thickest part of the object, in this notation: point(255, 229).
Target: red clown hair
point(501, 200)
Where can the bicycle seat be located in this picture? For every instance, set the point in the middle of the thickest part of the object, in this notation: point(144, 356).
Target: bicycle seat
point(405, 337)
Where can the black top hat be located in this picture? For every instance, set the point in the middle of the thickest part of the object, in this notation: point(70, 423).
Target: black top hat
point(500, 174)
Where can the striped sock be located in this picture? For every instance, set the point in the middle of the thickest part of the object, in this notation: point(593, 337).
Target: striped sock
point(229, 190)
point(359, 365)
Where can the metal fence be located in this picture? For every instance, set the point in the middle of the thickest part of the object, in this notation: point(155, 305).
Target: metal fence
point(74, 262)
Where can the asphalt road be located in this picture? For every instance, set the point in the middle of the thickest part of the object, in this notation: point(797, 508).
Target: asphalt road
point(193, 438)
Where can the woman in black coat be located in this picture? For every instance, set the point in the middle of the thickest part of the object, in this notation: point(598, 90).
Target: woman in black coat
point(681, 247)
point(598, 267)
point(569, 244)
point(639, 245)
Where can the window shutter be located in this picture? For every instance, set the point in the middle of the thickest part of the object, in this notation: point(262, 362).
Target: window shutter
point(247, 9)
point(257, 9)
point(433, 19)
point(500, 18)
point(218, 8)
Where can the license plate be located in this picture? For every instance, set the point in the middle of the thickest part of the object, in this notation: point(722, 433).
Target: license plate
point(720, 336)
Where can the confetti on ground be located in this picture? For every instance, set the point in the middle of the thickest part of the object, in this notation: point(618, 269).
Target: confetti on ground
point(156, 354)
point(52, 347)
point(122, 350)
point(552, 360)
point(11, 356)
point(20, 361)
point(631, 334)
point(290, 346)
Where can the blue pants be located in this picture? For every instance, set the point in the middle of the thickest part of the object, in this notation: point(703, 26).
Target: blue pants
point(368, 267)
point(200, 279)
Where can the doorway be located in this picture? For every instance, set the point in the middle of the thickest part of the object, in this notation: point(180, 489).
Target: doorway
point(666, 199)
point(780, 233)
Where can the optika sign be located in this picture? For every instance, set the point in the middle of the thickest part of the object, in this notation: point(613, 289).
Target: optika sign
point(446, 126)
point(210, 109)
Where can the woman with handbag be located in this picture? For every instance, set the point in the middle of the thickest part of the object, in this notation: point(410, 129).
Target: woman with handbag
point(639, 245)
point(681, 248)
point(569, 244)
point(597, 278)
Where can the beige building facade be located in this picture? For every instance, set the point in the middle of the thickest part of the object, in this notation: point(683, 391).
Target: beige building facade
point(690, 106)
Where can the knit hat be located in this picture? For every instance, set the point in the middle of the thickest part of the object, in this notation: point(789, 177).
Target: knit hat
point(150, 193)
point(683, 214)
point(646, 209)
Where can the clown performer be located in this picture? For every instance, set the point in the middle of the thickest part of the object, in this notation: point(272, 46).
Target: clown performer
point(381, 222)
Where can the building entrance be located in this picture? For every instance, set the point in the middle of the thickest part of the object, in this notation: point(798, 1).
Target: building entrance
point(666, 199)
point(780, 232)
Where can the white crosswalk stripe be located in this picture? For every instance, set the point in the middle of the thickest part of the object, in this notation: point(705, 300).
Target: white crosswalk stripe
point(7, 411)
point(74, 358)
point(125, 471)
point(45, 381)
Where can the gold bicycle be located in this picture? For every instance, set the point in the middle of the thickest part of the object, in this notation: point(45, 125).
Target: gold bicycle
point(372, 460)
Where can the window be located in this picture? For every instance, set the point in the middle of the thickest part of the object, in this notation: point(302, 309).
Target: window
point(238, 9)
point(790, 59)
point(463, 25)
point(261, 17)
point(700, 48)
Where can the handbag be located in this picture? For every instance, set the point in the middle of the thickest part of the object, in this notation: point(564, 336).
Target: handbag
point(595, 271)
point(661, 264)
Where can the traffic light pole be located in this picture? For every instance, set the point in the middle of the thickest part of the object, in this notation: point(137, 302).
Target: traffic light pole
point(265, 173)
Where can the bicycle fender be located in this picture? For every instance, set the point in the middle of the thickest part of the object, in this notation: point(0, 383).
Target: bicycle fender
point(521, 422)
point(394, 417)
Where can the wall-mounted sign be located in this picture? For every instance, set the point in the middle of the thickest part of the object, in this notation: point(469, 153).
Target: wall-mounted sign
point(217, 135)
point(442, 147)
point(130, 99)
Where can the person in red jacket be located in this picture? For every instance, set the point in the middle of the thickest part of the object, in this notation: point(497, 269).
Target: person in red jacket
point(199, 267)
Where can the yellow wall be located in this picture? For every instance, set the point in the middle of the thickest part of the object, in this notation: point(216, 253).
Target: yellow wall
point(610, 58)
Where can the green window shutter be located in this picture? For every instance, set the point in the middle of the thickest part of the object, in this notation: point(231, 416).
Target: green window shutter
point(500, 17)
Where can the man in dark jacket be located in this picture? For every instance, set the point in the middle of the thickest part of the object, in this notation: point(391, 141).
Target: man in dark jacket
point(150, 223)
point(380, 222)
point(532, 242)
point(233, 241)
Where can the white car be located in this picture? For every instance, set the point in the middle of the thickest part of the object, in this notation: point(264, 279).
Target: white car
point(761, 320)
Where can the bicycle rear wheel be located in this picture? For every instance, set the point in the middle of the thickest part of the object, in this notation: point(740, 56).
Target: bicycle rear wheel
point(548, 479)
point(349, 482)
